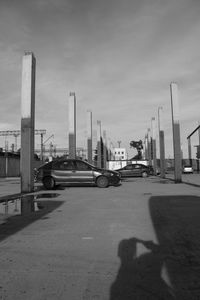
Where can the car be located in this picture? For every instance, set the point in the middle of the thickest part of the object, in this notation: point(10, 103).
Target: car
point(187, 169)
point(134, 170)
point(151, 170)
point(75, 171)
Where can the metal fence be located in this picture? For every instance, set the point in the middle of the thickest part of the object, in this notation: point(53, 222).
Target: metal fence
point(10, 166)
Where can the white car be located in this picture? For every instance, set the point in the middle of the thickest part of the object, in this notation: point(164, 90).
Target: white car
point(187, 169)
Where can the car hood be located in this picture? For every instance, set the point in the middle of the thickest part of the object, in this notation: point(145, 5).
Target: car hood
point(106, 171)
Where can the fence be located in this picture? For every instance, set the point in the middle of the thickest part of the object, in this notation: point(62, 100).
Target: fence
point(10, 166)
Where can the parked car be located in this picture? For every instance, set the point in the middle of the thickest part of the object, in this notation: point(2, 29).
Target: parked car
point(133, 170)
point(187, 169)
point(151, 170)
point(71, 171)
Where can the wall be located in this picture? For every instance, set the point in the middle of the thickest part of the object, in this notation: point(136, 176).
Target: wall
point(12, 166)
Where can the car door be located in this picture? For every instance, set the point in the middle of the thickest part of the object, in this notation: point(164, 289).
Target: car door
point(64, 171)
point(84, 172)
point(136, 170)
point(126, 171)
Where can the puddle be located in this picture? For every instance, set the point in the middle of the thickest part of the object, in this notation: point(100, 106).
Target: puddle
point(46, 195)
point(23, 205)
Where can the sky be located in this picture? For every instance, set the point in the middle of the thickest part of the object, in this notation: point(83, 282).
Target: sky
point(118, 56)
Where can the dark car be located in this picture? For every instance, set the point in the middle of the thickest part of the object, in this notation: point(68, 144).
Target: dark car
point(73, 171)
point(134, 170)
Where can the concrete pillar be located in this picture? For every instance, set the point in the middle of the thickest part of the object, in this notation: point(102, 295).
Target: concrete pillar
point(176, 132)
point(189, 151)
point(42, 148)
point(149, 146)
point(146, 147)
point(161, 142)
point(89, 137)
point(99, 141)
point(104, 150)
point(199, 132)
point(72, 125)
point(153, 130)
point(112, 151)
point(27, 122)
point(108, 148)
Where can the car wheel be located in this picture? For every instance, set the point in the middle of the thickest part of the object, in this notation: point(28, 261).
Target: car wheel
point(102, 182)
point(49, 183)
point(144, 174)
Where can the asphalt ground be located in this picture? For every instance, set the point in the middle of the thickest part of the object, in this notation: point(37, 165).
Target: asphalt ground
point(139, 240)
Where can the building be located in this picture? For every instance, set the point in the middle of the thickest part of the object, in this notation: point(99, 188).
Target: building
point(120, 154)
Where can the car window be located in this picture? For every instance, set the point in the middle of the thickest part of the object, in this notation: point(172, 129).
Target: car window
point(81, 166)
point(64, 165)
point(67, 165)
point(137, 166)
point(129, 167)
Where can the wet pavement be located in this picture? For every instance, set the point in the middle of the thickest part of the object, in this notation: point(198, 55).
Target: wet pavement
point(136, 241)
point(19, 205)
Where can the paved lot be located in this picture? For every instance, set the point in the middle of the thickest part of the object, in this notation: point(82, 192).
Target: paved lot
point(136, 241)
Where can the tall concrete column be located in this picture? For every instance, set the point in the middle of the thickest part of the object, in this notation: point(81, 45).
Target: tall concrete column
point(112, 151)
point(72, 125)
point(104, 149)
point(161, 142)
point(153, 130)
point(189, 151)
point(149, 146)
point(27, 122)
point(99, 140)
point(176, 132)
point(146, 147)
point(199, 132)
point(42, 148)
point(108, 148)
point(89, 137)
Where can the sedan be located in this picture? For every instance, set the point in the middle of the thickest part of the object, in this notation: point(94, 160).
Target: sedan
point(134, 170)
point(73, 171)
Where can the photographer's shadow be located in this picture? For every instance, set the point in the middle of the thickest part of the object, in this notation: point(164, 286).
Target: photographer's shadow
point(140, 277)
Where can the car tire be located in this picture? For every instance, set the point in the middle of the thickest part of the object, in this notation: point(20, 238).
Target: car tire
point(102, 182)
point(144, 174)
point(49, 183)
point(116, 181)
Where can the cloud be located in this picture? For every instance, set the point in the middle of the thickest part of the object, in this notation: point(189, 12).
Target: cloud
point(118, 56)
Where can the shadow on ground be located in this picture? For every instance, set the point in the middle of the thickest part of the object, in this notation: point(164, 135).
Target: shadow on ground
point(167, 270)
point(177, 225)
point(29, 211)
point(139, 276)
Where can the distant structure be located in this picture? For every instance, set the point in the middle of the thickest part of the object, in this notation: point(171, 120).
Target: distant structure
point(138, 145)
point(120, 154)
point(72, 125)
